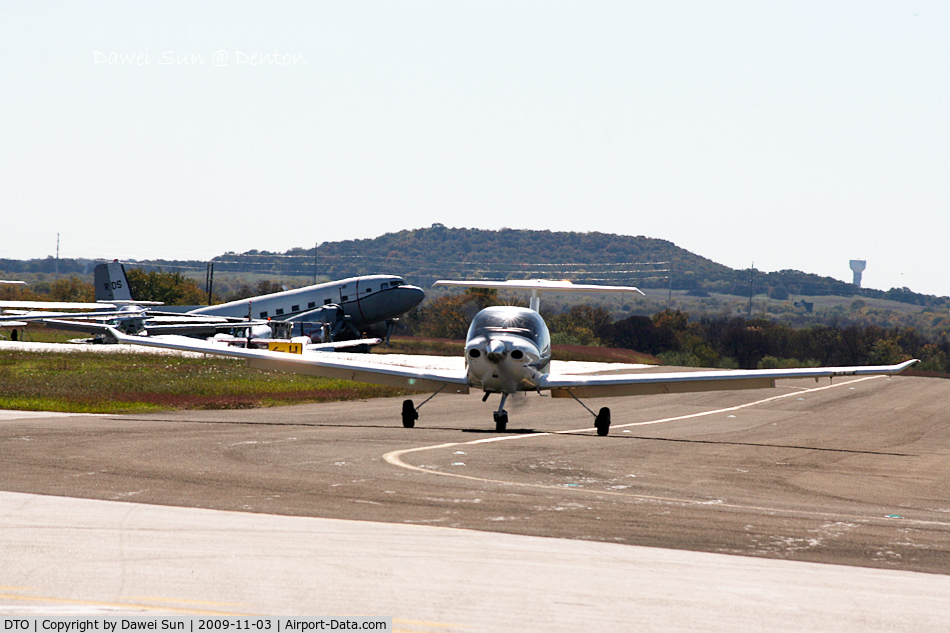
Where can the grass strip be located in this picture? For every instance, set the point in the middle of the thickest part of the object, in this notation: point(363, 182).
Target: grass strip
point(92, 382)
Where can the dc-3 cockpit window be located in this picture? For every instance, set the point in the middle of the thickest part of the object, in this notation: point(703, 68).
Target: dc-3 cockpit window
point(517, 321)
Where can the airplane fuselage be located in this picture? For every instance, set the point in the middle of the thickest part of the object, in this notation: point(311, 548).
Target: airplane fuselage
point(507, 349)
point(366, 300)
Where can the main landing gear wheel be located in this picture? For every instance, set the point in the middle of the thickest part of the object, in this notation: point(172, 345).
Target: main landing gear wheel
point(602, 422)
point(501, 421)
point(409, 414)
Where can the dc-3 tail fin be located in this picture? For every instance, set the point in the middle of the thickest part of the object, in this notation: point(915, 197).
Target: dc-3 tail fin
point(535, 286)
point(111, 282)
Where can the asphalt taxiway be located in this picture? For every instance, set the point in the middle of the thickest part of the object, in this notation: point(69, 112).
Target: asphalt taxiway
point(855, 473)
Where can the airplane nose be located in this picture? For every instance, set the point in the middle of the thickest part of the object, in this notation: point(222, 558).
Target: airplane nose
point(411, 295)
point(495, 351)
point(401, 300)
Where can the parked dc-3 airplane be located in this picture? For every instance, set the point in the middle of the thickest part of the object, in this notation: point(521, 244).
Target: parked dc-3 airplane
point(349, 306)
point(507, 350)
point(337, 309)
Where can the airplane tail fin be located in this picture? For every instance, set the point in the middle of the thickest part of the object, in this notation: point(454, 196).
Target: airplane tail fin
point(111, 282)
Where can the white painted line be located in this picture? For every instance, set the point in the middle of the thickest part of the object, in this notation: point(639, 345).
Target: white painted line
point(395, 458)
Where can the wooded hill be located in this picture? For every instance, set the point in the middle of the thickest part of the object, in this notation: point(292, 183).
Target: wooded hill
point(424, 255)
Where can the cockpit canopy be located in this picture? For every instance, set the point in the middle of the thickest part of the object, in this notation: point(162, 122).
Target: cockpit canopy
point(515, 321)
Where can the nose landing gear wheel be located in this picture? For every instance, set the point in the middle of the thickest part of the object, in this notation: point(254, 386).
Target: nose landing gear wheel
point(501, 421)
point(409, 414)
point(602, 422)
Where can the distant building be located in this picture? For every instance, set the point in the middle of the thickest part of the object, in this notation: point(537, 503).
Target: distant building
point(857, 267)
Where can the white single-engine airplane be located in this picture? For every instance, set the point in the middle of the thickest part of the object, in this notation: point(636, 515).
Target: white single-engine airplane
point(507, 350)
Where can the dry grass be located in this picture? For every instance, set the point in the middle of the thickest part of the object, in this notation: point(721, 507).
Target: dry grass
point(93, 382)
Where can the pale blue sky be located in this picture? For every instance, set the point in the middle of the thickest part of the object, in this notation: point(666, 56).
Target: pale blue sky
point(792, 134)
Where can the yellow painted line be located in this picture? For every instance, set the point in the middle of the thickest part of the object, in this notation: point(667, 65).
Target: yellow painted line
point(3, 588)
point(117, 605)
point(420, 623)
point(395, 458)
point(183, 601)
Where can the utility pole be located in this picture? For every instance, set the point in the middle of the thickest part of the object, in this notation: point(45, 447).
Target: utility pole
point(209, 279)
point(751, 277)
point(669, 300)
point(57, 257)
point(315, 263)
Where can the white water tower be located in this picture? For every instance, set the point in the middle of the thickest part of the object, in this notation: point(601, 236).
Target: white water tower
point(858, 266)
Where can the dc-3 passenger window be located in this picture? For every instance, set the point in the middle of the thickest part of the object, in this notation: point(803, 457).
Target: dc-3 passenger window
point(264, 314)
point(344, 298)
point(280, 311)
point(312, 304)
point(326, 301)
point(368, 290)
point(295, 308)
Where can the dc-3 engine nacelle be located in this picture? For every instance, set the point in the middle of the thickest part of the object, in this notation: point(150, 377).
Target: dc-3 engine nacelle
point(325, 324)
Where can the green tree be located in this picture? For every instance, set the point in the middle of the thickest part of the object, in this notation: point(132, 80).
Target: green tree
point(675, 320)
point(581, 325)
point(267, 287)
point(243, 292)
point(171, 288)
point(443, 318)
point(72, 289)
point(885, 351)
point(482, 297)
point(18, 292)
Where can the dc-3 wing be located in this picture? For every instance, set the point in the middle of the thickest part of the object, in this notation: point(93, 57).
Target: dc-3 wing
point(317, 365)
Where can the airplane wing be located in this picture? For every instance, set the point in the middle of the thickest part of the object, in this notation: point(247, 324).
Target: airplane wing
point(50, 316)
point(55, 305)
point(322, 365)
point(338, 345)
point(310, 347)
point(197, 328)
point(535, 284)
point(563, 386)
point(89, 327)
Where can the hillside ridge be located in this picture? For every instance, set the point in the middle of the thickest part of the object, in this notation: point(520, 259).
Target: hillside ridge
point(425, 254)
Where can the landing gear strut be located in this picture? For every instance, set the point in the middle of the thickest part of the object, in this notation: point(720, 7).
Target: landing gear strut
point(410, 412)
point(601, 418)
